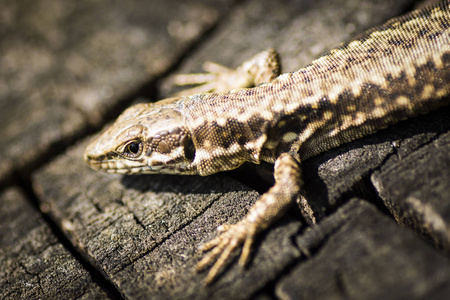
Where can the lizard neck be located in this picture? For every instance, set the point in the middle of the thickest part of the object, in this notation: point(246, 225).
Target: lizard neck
point(224, 134)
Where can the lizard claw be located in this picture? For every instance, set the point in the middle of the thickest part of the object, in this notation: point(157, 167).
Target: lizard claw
point(263, 67)
point(217, 78)
point(231, 237)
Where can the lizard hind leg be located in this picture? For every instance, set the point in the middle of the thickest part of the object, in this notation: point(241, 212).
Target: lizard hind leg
point(263, 67)
point(270, 207)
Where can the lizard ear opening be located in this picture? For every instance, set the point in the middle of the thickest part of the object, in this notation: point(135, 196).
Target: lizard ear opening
point(189, 149)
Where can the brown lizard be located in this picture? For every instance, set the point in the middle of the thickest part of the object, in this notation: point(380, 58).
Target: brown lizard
point(390, 73)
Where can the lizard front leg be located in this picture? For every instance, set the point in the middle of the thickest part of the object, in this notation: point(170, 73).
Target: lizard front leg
point(270, 207)
point(263, 67)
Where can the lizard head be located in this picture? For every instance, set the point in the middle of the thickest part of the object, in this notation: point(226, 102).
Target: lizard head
point(146, 138)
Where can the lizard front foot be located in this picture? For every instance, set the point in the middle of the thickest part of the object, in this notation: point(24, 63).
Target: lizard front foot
point(270, 207)
point(231, 238)
point(263, 67)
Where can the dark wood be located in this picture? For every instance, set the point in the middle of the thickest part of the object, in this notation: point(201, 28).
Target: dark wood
point(359, 253)
point(68, 66)
point(415, 188)
point(34, 264)
point(136, 237)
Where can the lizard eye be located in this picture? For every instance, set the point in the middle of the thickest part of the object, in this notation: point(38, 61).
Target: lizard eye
point(133, 149)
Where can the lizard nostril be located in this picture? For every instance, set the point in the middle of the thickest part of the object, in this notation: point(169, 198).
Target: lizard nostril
point(87, 156)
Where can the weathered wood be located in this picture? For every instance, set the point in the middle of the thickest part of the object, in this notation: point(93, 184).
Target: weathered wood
point(359, 253)
point(67, 65)
point(34, 264)
point(416, 189)
point(141, 232)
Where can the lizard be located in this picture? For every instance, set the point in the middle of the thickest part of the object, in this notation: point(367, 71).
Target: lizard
point(391, 72)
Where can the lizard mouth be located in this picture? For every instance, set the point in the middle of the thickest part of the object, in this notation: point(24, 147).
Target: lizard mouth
point(117, 167)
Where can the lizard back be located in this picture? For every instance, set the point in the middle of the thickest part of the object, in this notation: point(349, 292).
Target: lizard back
point(391, 72)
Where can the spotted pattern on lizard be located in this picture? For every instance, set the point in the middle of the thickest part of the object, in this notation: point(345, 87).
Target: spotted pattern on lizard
point(390, 73)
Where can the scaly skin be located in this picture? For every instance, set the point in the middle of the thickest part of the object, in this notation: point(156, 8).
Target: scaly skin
point(392, 72)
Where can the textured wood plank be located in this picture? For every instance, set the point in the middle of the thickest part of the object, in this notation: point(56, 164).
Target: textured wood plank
point(359, 253)
point(416, 189)
point(141, 232)
point(66, 65)
point(34, 264)
point(168, 271)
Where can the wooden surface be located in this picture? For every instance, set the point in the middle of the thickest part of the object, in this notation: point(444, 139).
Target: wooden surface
point(69, 68)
